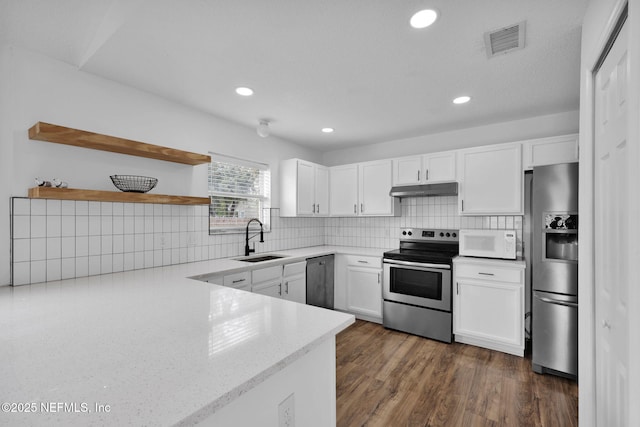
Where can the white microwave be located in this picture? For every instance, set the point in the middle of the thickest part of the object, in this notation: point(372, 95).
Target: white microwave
point(488, 243)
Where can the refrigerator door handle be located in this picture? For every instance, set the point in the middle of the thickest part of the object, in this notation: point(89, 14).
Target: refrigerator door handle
point(557, 302)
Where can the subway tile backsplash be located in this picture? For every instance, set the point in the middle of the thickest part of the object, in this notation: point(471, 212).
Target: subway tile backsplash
point(61, 239)
point(417, 212)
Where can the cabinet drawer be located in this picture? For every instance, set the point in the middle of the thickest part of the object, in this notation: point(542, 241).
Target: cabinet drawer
point(237, 279)
point(265, 274)
point(295, 268)
point(513, 275)
point(364, 261)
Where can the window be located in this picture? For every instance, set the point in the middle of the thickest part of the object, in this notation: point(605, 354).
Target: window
point(239, 190)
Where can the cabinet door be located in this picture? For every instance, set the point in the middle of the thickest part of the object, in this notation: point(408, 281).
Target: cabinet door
point(306, 188)
point(343, 190)
point(375, 181)
point(550, 151)
point(491, 181)
point(322, 190)
point(295, 289)
point(364, 291)
point(272, 289)
point(489, 311)
point(439, 167)
point(407, 171)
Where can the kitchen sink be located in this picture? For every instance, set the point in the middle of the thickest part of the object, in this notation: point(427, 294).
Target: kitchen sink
point(260, 258)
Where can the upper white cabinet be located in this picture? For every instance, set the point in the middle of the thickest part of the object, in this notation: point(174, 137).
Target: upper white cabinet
point(375, 182)
point(343, 190)
point(362, 190)
point(491, 180)
point(304, 188)
point(550, 151)
point(435, 167)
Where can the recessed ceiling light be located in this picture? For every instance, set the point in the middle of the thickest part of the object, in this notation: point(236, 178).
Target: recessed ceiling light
point(244, 91)
point(423, 18)
point(462, 100)
point(328, 130)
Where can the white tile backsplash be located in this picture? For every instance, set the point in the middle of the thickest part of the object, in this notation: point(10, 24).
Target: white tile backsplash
point(80, 238)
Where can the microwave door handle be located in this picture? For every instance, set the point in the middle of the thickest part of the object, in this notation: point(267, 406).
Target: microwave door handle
point(558, 302)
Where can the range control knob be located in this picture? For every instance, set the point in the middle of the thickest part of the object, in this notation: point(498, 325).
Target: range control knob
point(410, 233)
point(448, 235)
point(454, 235)
point(441, 234)
point(404, 233)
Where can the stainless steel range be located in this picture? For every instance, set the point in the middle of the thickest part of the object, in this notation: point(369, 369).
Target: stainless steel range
point(417, 283)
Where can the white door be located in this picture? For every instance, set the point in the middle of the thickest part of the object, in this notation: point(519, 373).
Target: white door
point(364, 291)
point(343, 190)
point(440, 167)
point(306, 188)
point(611, 242)
point(407, 170)
point(322, 190)
point(295, 289)
point(375, 182)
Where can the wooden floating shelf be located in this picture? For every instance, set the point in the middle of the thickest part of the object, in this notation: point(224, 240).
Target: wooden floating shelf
point(113, 196)
point(79, 138)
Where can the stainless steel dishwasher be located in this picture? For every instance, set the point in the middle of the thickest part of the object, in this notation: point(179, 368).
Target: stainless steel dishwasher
point(320, 281)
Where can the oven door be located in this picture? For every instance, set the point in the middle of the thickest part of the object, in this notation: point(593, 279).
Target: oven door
point(423, 285)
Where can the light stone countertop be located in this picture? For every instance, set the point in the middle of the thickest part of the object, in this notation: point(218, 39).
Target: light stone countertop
point(157, 347)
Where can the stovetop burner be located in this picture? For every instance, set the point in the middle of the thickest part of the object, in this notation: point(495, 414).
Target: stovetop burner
point(426, 246)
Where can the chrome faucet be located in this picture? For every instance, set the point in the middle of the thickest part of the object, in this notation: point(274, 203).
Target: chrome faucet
point(247, 251)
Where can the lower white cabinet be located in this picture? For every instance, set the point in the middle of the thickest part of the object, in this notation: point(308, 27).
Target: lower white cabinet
point(294, 282)
point(272, 288)
point(286, 281)
point(488, 304)
point(358, 286)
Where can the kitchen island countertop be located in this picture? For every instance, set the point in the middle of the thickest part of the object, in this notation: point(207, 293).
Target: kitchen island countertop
point(153, 346)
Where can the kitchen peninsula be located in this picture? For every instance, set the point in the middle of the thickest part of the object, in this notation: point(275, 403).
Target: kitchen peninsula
point(154, 347)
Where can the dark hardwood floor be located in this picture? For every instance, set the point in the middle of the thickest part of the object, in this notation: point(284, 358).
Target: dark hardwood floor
point(388, 378)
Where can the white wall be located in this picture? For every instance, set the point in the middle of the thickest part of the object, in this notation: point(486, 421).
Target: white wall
point(37, 88)
point(517, 130)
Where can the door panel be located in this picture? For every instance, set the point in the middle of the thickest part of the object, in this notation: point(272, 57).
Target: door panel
point(611, 229)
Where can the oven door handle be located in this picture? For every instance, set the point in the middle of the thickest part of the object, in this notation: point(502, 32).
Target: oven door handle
point(416, 264)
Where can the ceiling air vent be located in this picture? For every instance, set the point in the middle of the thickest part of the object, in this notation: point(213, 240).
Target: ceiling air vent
point(505, 39)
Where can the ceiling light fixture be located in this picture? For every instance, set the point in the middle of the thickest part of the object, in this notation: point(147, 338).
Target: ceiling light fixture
point(462, 100)
point(423, 18)
point(328, 130)
point(244, 91)
point(263, 128)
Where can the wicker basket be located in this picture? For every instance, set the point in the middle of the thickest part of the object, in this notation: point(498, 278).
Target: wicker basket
point(134, 183)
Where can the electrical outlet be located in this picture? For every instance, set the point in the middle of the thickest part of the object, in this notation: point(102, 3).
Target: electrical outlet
point(286, 413)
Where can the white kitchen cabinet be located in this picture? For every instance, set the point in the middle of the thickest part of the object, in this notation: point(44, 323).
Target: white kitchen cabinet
point(343, 190)
point(491, 180)
point(359, 286)
point(429, 168)
point(362, 190)
point(272, 288)
point(550, 151)
point(407, 170)
point(294, 282)
point(488, 304)
point(374, 184)
point(304, 188)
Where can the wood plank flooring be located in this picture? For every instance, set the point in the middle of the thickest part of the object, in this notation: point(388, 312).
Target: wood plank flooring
point(389, 378)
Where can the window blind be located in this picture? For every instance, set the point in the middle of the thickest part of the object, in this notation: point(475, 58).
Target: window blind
point(239, 190)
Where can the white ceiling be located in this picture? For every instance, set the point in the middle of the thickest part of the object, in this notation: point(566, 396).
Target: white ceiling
point(353, 65)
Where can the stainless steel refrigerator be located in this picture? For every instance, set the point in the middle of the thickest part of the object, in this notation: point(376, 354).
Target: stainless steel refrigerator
point(554, 279)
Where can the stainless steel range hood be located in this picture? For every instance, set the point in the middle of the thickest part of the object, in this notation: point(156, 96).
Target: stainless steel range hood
point(425, 190)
